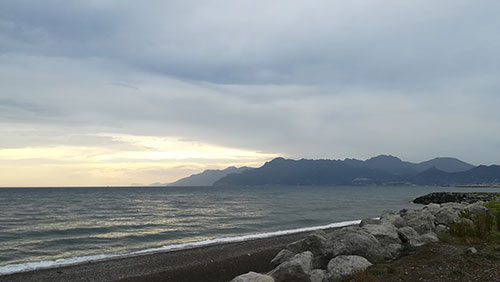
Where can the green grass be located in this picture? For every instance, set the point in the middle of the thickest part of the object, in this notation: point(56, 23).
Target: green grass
point(477, 228)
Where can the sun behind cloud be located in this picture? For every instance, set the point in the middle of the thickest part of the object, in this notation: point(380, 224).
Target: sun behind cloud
point(125, 160)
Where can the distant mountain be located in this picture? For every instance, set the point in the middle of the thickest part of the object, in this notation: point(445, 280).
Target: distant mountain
point(389, 164)
point(378, 170)
point(207, 177)
point(302, 172)
point(445, 164)
point(476, 175)
point(397, 166)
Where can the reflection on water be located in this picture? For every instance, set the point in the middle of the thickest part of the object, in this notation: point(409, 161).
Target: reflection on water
point(39, 224)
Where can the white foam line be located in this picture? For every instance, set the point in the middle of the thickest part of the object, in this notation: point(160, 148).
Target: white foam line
point(244, 238)
point(13, 268)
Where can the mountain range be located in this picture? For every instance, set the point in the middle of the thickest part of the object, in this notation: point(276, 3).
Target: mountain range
point(207, 177)
point(380, 170)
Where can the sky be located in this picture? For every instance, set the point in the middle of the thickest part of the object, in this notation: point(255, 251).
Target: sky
point(121, 92)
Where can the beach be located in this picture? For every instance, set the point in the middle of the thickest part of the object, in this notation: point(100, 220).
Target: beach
point(213, 263)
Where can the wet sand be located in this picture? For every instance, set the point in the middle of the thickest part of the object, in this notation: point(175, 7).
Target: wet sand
point(214, 263)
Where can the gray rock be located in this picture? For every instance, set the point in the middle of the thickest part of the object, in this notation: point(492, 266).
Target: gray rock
point(253, 277)
point(393, 218)
point(477, 208)
point(448, 214)
point(409, 236)
point(357, 241)
point(429, 237)
point(297, 269)
point(318, 275)
point(456, 197)
point(315, 243)
point(457, 206)
point(432, 208)
point(281, 257)
point(387, 235)
point(420, 220)
point(441, 228)
point(342, 266)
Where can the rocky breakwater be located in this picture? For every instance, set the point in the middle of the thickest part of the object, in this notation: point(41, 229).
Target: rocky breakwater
point(333, 256)
point(456, 197)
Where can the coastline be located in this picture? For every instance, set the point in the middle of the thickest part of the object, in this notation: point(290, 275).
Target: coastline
point(209, 263)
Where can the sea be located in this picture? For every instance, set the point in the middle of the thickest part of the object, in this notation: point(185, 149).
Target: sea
point(47, 227)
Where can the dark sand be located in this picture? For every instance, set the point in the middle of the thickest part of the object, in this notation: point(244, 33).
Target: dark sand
point(214, 263)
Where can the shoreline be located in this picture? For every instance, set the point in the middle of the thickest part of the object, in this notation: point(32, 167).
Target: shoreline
point(213, 262)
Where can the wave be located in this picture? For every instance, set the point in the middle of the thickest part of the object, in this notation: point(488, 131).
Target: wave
point(14, 268)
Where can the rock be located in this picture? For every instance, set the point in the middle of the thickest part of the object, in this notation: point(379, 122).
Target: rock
point(429, 237)
point(318, 275)
point(441, 228)
point(357, 241)
point(253, 277)
point(445, 197)
point(432, 208)
point(387, 235)
point(409, 236)
point(316, 243)
point(281, 257)
point(471, 250)
point(369, 221)
point(449, 212)
point(457, 206)
point(420, 220)
point(342, 266)
point(297, 269)
point(476, 208)
point(393, 218)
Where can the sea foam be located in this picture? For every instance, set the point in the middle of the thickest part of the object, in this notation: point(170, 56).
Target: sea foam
point(13, 268)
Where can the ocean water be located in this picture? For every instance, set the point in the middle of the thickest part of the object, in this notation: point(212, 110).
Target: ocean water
point(42, 227)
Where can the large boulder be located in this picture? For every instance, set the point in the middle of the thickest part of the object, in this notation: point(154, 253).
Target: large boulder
point(441, 228)
point(253, 277)
point(318, 275)
point(476, 208)
point(318, 245)
point(342, 266)
point(429, 237)
point(410, 237)
point(315, 243)
point(387, 235)
point(448, 213)
point(458, 206)
point(420, 220)
point(297, 269)
point(432, 208)
point(392, 217)
point(357, 241)
point(281, 257)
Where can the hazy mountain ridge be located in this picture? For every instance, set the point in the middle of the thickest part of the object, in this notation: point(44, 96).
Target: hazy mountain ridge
point(476, 175)
point(378, 170)
point(207, 177)
point(397, 166)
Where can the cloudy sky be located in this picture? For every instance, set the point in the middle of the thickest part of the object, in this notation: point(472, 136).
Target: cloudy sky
point(115, 92)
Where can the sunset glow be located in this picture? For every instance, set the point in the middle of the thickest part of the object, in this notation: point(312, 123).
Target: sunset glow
point(126, 160)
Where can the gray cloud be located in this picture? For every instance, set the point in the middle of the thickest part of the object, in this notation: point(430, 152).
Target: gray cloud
point(376, 43)
point(305, 79)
